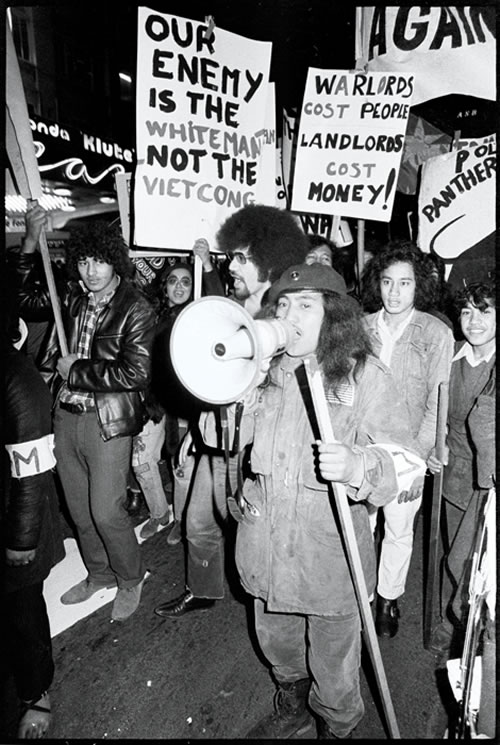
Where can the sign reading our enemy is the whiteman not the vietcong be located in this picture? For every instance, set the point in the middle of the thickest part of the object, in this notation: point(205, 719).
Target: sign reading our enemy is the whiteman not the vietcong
point(201, 129)
point(351, 137)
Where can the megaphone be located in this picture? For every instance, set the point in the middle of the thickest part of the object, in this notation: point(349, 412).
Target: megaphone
point(217, 348)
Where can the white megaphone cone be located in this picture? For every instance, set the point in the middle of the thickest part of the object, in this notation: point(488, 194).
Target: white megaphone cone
point(217, 348)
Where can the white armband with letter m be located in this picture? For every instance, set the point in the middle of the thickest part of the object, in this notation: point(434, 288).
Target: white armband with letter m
point(32, 457)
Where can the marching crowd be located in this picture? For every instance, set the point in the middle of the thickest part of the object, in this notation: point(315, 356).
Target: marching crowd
point(112, 408)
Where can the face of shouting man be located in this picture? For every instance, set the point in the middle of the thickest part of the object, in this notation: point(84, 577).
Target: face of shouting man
point(305, 311)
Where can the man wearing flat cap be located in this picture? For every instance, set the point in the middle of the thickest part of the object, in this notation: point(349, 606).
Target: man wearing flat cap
point(289, 552)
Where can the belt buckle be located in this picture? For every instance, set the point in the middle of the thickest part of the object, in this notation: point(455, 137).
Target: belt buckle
point(79, 408)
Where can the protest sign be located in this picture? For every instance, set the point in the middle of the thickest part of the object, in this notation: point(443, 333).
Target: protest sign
point(201, 128)
point(122, 184)
point(456, 202)
point(289, 124)
point(281, 199)
point(351, 138)
point(265, 186)
point(448, 49)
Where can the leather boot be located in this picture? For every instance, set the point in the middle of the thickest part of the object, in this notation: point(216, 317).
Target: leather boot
point(386, 621)
point(290, 717)
point(134, 502)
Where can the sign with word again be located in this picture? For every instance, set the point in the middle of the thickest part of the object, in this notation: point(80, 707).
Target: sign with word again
point(351, 137)
point(201, 128)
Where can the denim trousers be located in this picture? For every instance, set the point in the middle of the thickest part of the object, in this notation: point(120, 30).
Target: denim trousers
point(27, 646)
point(182, 482)
point(325, 648)
point(146, 454)
point(94, 475)
point(205, 517)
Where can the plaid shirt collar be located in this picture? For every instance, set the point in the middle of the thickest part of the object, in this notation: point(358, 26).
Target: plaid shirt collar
point(89, 323)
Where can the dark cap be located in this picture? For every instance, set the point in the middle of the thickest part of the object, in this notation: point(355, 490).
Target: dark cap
point(313, 277)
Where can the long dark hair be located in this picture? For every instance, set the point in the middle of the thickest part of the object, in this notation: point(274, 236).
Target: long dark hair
point(343, 344)
point(395, 252)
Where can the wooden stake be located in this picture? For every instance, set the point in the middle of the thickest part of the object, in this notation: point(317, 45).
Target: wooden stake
point(338, 492)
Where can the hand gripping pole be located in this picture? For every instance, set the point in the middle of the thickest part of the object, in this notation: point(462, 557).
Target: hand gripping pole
point(339, 493)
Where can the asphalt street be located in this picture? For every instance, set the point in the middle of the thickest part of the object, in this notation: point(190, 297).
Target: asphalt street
point(202, 677)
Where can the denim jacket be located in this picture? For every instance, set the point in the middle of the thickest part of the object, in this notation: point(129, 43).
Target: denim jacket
point(288, 548)
point(420, 361)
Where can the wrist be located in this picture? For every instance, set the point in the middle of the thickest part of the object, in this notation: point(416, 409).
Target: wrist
point(358, 472)
point(28, 245)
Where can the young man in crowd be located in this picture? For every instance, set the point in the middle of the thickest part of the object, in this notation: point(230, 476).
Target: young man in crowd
point(260, 243)
point(418, 348)
point(109, 327)
point(470, 459)
point(289, 553)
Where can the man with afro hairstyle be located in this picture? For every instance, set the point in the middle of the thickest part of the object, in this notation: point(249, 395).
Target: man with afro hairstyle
point(109, 327)
point(260, 243)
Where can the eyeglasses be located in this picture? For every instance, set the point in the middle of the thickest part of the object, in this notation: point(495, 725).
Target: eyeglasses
point(184, 281)
point(240, 257)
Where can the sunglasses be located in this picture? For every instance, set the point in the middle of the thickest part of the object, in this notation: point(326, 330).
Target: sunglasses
point(240, 257)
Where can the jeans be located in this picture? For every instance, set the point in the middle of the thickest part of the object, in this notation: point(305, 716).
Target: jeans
point(146, 454)
point(94, 474)
point(397, 546)
point(206, 513)
point(327, 648)
point(25, 633)
point(182, 477)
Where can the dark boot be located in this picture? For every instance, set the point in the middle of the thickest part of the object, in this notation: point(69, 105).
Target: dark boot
point(386, 621)
point(134, 502)
point(290, 716)
point(325, 733)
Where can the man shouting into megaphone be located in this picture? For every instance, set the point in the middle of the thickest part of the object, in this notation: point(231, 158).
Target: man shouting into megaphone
point(260, 242)
point(289, 552)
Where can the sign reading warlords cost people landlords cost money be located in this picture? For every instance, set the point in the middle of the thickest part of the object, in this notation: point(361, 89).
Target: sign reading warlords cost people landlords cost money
point(201, 128)
point(351, 137)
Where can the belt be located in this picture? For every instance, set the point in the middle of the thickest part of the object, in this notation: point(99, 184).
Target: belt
point(74, 408)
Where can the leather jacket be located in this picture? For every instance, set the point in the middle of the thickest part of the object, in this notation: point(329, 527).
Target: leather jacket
point(29, 513)
point(119, 368)
point(32, 289)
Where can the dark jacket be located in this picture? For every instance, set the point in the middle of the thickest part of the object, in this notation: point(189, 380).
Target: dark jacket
point(35, 306)
point(30, 510)
point(119, 368)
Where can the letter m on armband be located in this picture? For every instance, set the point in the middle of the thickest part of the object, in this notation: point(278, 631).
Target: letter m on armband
point(31, 458)
point(22, 464)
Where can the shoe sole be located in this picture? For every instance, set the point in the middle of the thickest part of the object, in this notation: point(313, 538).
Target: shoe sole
point(184, 613)
point(84, 600)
